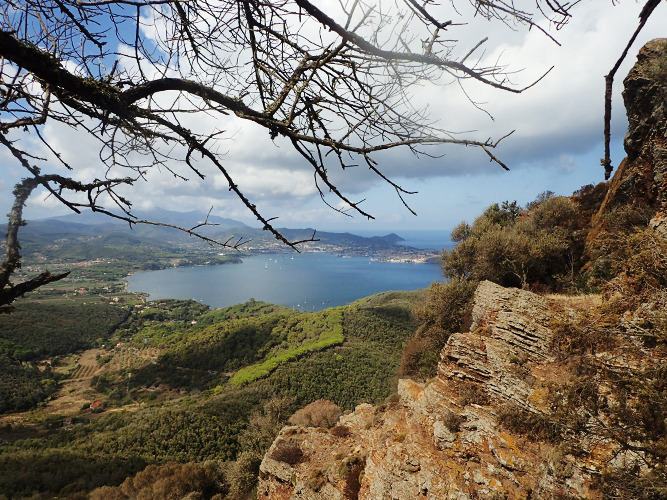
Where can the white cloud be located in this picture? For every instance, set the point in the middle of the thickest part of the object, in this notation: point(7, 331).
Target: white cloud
point(267, 182)
point(562, 113)
point(558, 126)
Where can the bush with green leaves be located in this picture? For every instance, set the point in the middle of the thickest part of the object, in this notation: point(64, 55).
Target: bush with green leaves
point(444, 312)
point(540, 245)
point(627, 257)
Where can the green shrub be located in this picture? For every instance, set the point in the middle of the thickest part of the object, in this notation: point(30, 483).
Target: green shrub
point(446, 310)
point(514, 248)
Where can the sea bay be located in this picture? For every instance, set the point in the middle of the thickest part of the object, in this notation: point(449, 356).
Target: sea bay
point(307, 282)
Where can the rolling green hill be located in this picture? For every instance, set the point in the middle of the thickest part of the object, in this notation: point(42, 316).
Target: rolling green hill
point(184, 405)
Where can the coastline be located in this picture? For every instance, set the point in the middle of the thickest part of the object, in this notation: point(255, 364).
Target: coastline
point(311, 280)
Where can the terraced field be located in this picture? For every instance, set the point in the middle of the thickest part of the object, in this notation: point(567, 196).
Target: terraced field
point(84, 372)
point(76, 391)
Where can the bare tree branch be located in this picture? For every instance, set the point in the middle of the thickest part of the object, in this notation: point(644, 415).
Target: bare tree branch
point(9, 292)
point(135, 76)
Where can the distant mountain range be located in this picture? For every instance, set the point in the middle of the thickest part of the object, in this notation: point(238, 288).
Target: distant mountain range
point(182, 219)
point(112, 232)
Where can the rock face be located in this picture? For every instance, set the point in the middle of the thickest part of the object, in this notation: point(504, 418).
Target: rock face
point(450, 438)
point(641, 177)
point(645, 99)
point(443, 439)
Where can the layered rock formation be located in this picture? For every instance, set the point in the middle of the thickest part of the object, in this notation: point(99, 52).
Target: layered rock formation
point(510, 414)
point(443, 439)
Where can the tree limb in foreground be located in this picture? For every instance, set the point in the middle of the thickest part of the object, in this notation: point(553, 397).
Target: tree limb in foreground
point(140, 77)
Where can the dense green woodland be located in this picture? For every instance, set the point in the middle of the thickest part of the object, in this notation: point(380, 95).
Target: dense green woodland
point(214, 420)
point(38, 330)
point(23, 386)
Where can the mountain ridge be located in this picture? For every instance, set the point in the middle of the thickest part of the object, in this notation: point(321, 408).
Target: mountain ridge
point(94, 227)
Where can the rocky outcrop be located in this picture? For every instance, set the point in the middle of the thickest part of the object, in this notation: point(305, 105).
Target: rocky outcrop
point(472, 431)
point(443, 439)
point(509, 330)
point(641, 178)
point(645, 99)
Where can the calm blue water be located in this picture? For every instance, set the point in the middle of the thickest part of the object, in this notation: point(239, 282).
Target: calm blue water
point(416, 238)
point(426, 239)
point(308, 282)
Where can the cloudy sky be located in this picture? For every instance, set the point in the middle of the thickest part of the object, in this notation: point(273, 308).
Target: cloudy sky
point(557, 143)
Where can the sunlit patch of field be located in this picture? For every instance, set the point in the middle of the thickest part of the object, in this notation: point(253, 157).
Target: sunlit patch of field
point(576, 302)
point(76, 391)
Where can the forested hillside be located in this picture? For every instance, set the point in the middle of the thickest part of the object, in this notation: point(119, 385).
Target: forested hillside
point(181, 384)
